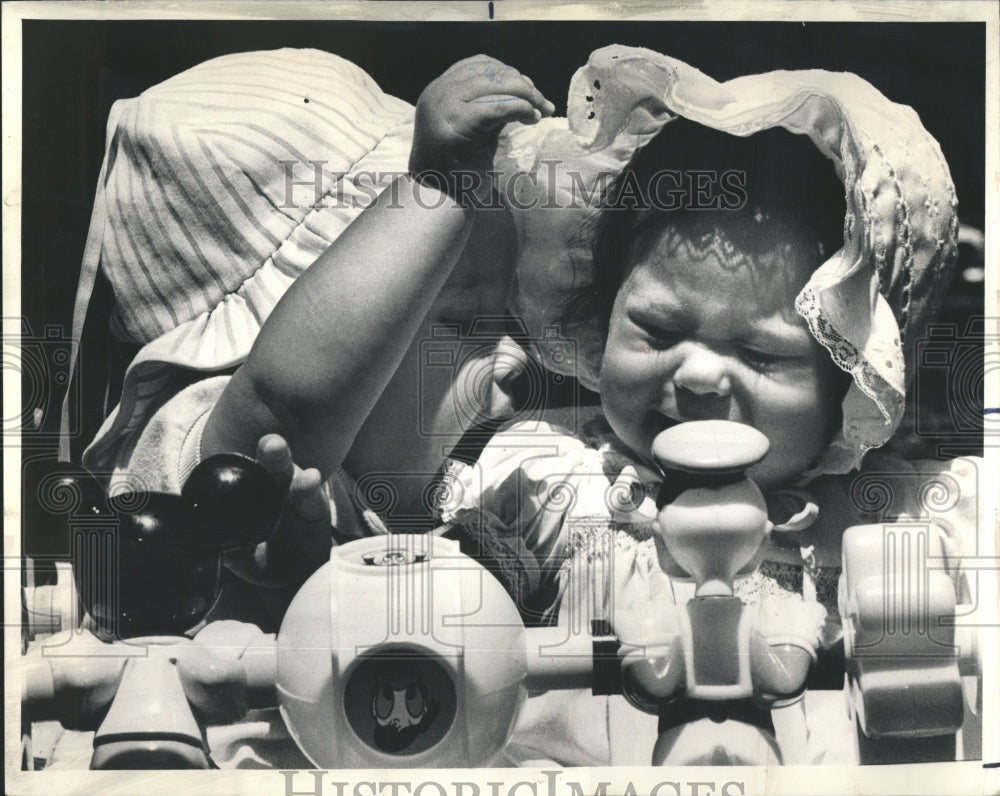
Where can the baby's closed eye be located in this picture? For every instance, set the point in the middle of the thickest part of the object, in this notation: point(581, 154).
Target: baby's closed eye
point(758, 355)
point(656, 331)
point(768, 358)
point(657, 336)
point(771, 356)
point(777, 346)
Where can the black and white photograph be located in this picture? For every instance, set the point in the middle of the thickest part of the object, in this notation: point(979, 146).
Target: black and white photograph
point(495, 398)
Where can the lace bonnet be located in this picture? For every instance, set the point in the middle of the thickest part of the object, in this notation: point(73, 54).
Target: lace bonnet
point(867, 304)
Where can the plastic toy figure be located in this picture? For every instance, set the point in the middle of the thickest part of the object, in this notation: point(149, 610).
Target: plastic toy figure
point(719, 674)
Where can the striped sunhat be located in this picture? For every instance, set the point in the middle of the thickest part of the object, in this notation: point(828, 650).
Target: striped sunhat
point(219, 187)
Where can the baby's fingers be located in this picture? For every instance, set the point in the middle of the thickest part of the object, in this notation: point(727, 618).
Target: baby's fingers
point(514, 85)
point(305, 527)
point(479, 68)
point(490, 112)
point(274, 455)
point(484, 77)
point(307, 498)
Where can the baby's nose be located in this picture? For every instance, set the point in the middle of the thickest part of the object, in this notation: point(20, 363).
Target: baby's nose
point(703, 372)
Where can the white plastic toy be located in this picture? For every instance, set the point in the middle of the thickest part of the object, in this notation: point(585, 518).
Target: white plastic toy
point(403, 652)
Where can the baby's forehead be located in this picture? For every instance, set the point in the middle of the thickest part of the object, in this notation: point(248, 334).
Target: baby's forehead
point(764, 233)
point(710, 259)
point(760, 240)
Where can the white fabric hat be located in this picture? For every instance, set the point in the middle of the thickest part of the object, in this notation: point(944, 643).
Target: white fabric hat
point(867, 304)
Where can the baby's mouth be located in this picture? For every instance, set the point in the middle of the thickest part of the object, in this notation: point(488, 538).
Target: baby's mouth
point(661, 422)
point(653, 423)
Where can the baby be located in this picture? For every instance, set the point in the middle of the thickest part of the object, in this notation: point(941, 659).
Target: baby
point(697, 310)
point(703, 299)
point(704, 314)
point(698, 305)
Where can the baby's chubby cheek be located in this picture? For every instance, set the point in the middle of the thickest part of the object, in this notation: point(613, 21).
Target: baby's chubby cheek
point(792, 452)
point(799, 422)
point(629, 394)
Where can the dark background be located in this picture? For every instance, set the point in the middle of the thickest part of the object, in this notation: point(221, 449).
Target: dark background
point(74, 71)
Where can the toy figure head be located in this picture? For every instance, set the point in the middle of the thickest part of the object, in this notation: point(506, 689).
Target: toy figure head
point(402, 711)
point(712, 518)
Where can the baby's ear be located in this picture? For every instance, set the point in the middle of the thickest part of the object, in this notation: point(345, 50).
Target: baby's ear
point(510, 360)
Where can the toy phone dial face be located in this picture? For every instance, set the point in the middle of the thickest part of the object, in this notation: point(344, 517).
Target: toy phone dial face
point(400, 701)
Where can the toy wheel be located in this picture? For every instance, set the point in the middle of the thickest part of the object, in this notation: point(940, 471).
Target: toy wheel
point(886, 751)
point(904, 682)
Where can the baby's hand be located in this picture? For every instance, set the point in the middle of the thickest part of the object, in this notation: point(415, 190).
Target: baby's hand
point(301, 542)
point(459, 116)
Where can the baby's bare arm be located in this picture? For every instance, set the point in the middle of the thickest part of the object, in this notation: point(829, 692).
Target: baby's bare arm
point(337, 337)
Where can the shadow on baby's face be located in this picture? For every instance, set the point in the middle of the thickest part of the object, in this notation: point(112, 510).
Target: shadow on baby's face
point(704, 327)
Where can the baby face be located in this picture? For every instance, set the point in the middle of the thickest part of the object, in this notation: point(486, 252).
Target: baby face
point(694, 338)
